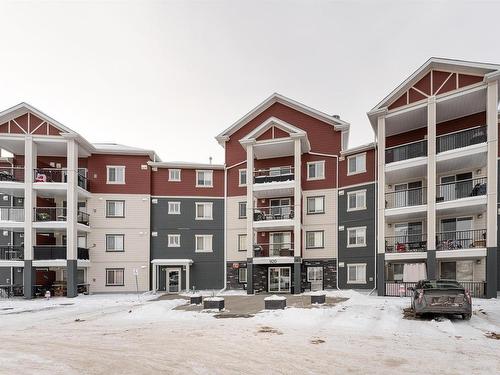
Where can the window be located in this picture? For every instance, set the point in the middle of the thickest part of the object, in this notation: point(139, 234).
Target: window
point(204, 211)
point(174, 175)
point(242, 242)
point(316, 170)
point(356, 200)
point(315, 278)
point(174, 208)
point(203, 243)
point(356, 237)
point(114, 276)
point(242, 210)
point(242, 275)
point(174, 240)
point(115, 242)
point(356, 164)
point(243, 177)
point(116, 175)
point(204, 178)
point(315, 239)
point(115, 208)
point(315, 205)
point(356, 273)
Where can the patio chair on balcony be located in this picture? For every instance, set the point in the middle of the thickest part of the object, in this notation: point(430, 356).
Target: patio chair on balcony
point(6, 176)
point(40, 177)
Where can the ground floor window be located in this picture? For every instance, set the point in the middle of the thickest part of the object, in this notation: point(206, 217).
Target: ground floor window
point(459, 270)
point(356, 273)
point(242, 275)
point(114, 276)
point(315, 277)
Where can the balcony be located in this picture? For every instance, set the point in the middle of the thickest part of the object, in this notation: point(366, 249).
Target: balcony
point(59, 175)
point(276, 174)
point(406, 152)
point(12, 174)
point(57, 214)
point(462, 197)
point(406, 162)
point(16, 253)
point(12, 215)
point(272, 182)
point(411, 243)
point(11, 253)
point(461, 139)
point(273, 217)
point(281, 250)
point(461, 240)
point(406, 204)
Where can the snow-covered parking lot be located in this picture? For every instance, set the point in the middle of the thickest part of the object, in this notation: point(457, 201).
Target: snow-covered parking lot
point(363, 335)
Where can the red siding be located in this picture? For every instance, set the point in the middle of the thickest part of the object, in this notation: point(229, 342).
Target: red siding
point(279, 133)
point(466, 122)
point(368, 176)
point(411, 136)
point(187, 186)
point(268, 134)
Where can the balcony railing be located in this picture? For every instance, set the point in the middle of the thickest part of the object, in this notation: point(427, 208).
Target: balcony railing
point(273, 213)
point(405, 152)
point(461, 189)
point(406, 244)
point(406, 198)
point(60, 175)
point(463, 239)
point(12, 174)
point(400, 289)
point(53, 252)
point(277, 174)
point(58, 214)
point(284, 249)
point(461, 139)
point(11, 253)
point(15, 214)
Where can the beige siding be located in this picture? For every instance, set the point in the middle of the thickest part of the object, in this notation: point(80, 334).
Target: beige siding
point(235, 226)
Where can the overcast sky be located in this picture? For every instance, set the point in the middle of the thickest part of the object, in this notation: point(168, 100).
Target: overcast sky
point(170, 75)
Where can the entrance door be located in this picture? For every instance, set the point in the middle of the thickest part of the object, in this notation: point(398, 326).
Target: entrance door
point(173, 280)
point(279, 279)
point(315, 277)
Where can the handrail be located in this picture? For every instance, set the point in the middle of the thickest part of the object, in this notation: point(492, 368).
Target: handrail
point(406, 152)
point(461, 138)
point(12, 174)
point(449, 191)
point(462, 239)
point(13, 213)
point(406, 198)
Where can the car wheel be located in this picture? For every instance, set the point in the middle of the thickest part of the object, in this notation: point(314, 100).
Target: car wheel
point(466, 316)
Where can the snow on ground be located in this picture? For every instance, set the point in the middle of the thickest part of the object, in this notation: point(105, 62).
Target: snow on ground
point(121, 334)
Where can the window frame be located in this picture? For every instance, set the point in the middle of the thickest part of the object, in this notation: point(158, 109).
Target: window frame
point(115, 269)
point(196, 204)
point(115, 216)
point(115, 235)
point(211, 178)
point(322, 239)
point(174, 235)
point(196, 236)
point(239, 241)
point(357, 281)
point(241, 184)
point(239, 210)
point(356, 245)
point(178, 203)
point(308, 212)
point(349, 173)
point(239, 275)
point(170, 179)
point(108, 168)
point(355, 192)
point(316, 162)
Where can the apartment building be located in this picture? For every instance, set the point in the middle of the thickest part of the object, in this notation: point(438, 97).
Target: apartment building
point(281, 205)
point(187, 226)
point(437, 156)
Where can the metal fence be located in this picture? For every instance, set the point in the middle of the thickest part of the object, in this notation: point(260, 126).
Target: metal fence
point(461, 139)
point(405, 152)
point(406, 198)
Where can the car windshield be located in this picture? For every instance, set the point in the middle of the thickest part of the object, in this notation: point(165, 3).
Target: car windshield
point(441, 284)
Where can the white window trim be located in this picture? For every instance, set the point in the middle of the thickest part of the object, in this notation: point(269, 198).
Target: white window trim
point(356, 245)
point(239, 236)
point(322, 162)
point(355, 208)
point(315, 212)
point(240, 184)
point(173, 179)
point(108, 250)
point(246, 275)
point(212, 179)
point(172, 212)
point(196, 210)
point(315, 247)
point(242, 217)
point(108, 167)
point(174, 236)
point(196, 236)
point(354, 156)
point(356, 265)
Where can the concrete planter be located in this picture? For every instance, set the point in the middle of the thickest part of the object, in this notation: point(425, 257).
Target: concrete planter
point(319, 298)
point(275, 303)
point(195, 299)
point(213, 303)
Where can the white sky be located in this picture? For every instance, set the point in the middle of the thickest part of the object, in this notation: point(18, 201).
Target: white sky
point(170, 75)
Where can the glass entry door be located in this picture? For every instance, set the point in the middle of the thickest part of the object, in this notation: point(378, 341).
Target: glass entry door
point(279, 279)
point(173, 280)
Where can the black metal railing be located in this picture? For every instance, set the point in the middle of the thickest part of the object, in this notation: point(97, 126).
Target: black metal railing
point(399, 288)
point(11, 252)
point(461, 189)
point(83, 181)
point(409, 243)
point(60, 175)
point(9, 291)
point(406, 198)
point(52, 252)
point(463, 239)
point(284, 249)
point(50, 213)
point(83, 253)
point(83, 218)
point(12, 174)
point(273, 213)
point(12, 214)
point(461, 139)
point(405, 152)
point(278, 174)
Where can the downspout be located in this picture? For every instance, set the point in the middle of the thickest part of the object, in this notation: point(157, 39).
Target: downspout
point(376, 218)
point(336, 211)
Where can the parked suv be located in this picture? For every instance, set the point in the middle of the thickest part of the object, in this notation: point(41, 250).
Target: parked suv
point(441, 297)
